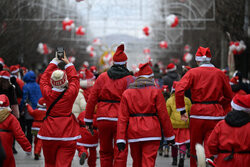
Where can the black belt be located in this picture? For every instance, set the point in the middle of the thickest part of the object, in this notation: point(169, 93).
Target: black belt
point(61, 116)
point(4, 130)
point(143, 115)
point(231, 156)
point(205, 102)
point(38, 120)
point(109, 101)
point(84, 126)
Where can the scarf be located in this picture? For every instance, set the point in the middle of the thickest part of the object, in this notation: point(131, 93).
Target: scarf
point(4, 114)
point(142, 82)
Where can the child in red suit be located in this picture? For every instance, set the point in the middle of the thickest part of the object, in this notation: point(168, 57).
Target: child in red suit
point(38, 114)
point(87, 142)
point(10, 128)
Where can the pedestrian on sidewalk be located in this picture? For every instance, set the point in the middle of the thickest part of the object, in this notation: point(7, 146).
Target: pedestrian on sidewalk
point(10, 128)
point(181, 128)
point(229, 141)
point(38, 114)
point(209, 91)
point(106, 94)
point(60, 129)
point(141, 116)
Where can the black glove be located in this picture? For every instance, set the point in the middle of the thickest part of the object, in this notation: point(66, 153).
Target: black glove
point(90, 127)
point(82, 158)
point(170, 142)
point(183, 112)
point(121, 146)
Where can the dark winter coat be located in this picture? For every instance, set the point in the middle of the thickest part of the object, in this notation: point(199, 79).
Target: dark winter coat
point(169, 78)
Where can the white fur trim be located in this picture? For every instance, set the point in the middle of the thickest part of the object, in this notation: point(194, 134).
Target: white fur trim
point(68, 65)
point(173, 69)
point(107, 118)
point(54, 62)
point(86, 145)
point(207, 65)
point(1, 102)
point(146, 76)
point(9, 109)
point(201, 158)
point(58, 90)
point(5, 77)
point(88, 120)
point(202, 58)
point(42, 109)
point(59, 138)
point(239, 108)
point(34, 128)
point(207, 117)
point(185, 142)
point(170, 138)
point(180, 109)
point(120, 63)
point(120, 141)
point(13, 72)
point(143, 139)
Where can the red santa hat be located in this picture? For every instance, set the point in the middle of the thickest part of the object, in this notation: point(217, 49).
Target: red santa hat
point(41, 102)
point(145, 71)
point(234, 80)
point(4, 102)
point(120, 57)
point(14, 69)
point(241, 102)
point(58, 79)
point(171, 67)
point(186, 68)
point(165, 88)
point(93, 69)
point(203, 54)
point(86, 74)
point(5, 74)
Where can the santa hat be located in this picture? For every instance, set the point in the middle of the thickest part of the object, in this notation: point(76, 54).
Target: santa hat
point(186, 68)
point(234, 80)
point(93, 69)
point(120, 57)
point(4, 74)
point(171, 67)
point(145, 71)
point(203, 54)
point(86, 74)
point(241, 102)
point(58, 79)
point(14, 69)
point(41, 103)
point(165, 88)
point(4, 102)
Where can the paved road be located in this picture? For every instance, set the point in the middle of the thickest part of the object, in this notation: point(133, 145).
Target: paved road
point(23, 160)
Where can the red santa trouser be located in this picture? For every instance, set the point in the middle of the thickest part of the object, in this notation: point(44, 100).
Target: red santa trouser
point(108, 148)
point(200, 130)
point(144, 153)
point(38, 145)
point(92, 156)
point(58, 153)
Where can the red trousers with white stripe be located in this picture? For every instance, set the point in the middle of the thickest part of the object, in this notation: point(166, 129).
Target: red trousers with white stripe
point(58, 153)
point(38, 145)
point(200, 130)
point(144, 153)
point(109, 154)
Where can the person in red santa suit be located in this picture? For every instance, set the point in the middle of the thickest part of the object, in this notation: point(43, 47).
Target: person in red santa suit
point(209, 87)
point(229, 141)
point(141, 116)
point(88, 142)
point(10, 128)
point(60, 129)
point(87, 80)
point(106, 93)
point(38, 114)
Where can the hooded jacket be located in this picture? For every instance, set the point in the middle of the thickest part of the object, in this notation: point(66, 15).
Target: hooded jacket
point(169, 78)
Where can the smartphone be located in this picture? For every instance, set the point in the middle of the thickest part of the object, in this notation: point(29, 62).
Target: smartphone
point(60, 53)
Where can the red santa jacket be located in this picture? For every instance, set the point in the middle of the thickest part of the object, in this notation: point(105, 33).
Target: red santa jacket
point(106, 93)
point(148, 100)
point(207, 84)
point(10, 128)
point(38, 115)
point(61, 124)
point(225, 138)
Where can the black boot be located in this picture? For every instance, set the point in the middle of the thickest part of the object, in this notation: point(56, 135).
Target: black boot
point(82, 159)
point(36, 157)
point(174, 163)
point(181, 161)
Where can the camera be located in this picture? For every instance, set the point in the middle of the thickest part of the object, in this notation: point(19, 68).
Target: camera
point(60, 53)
